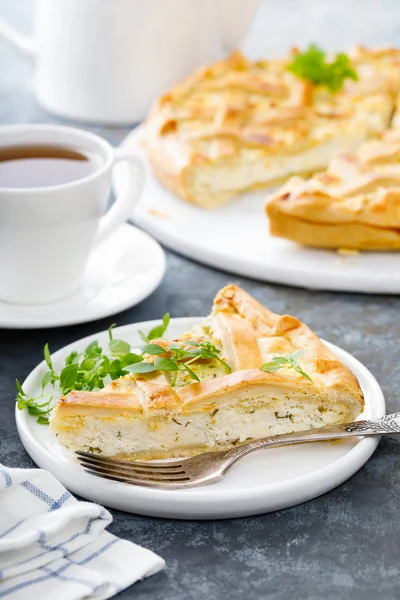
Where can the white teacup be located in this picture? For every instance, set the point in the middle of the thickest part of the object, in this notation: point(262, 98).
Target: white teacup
point(47, 233)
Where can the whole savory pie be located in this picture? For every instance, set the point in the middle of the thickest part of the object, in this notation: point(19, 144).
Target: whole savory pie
point(354, 204)
point(268, 374)
point(239, 125)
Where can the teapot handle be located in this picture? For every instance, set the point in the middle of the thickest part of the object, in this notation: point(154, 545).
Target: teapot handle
point(23, 44)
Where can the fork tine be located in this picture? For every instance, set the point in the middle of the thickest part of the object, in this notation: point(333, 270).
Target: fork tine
point(133, 472)
point(105, 460)
point(125, 466)
point(149, 482)
point(143, 482)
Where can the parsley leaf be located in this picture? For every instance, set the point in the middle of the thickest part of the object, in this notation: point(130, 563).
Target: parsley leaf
point(313, 66)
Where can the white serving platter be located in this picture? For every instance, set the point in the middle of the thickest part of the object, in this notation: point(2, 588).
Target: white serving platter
point(235, 238)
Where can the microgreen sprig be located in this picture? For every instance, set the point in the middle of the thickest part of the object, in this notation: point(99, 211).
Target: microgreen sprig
point(157, 332)
point(290, 361)
point(41, 410)
point(93, 368)
point(177, 358)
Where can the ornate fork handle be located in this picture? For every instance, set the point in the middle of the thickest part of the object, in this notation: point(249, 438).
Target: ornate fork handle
point(383, 426)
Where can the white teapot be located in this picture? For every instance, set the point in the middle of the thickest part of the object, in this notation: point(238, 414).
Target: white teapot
point(107, 60)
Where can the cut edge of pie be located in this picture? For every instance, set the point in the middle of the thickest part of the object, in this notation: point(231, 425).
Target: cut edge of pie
point(239, 125)
point(144, 417)
point(354, 204)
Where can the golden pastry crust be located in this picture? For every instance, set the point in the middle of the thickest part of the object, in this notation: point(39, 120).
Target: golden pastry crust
point(248, 335)
point(355, 203)
point(239, 125)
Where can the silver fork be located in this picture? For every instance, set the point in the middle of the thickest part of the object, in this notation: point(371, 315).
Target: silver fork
point(209, 467)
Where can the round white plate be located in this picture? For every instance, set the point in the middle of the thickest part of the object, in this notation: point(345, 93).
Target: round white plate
point(264, 481)
point(125, 269)
point(235, 238)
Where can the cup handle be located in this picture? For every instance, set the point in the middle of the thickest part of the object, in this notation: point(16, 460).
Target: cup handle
point(20, 42)
point(126, 200)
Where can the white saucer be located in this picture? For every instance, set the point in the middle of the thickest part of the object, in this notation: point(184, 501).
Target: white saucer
point(235, 238)
point(261, 482)
point(126, 268)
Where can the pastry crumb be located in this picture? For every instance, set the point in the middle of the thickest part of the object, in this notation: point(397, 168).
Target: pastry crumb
point(158, 213)
point(348, 252)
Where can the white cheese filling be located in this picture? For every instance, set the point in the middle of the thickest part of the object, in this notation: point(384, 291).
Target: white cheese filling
point(180, 434)
point(226, 180)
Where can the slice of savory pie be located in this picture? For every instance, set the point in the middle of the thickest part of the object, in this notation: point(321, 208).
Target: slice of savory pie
point(147, 417)
point(354, 204)
point(239, 125)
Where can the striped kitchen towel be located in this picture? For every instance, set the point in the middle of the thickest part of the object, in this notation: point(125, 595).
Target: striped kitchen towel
point(52, 546)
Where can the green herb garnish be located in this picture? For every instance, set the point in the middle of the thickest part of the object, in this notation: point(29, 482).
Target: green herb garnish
point(312, 65)
point(157, 332)
point(35, 407)
point(290, 361)
point(95, 367)
point(178, 358)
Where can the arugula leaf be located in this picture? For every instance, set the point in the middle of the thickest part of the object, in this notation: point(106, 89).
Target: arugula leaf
point(313, 66)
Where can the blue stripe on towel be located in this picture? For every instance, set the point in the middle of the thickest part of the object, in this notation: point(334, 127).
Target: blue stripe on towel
point(47, 548)
point(49, 574)
point(51, 502)
point(7, 531)
point(33, 489)
point(6, 476)
point(62, 499)
point(73, 537)
point(98, 552)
